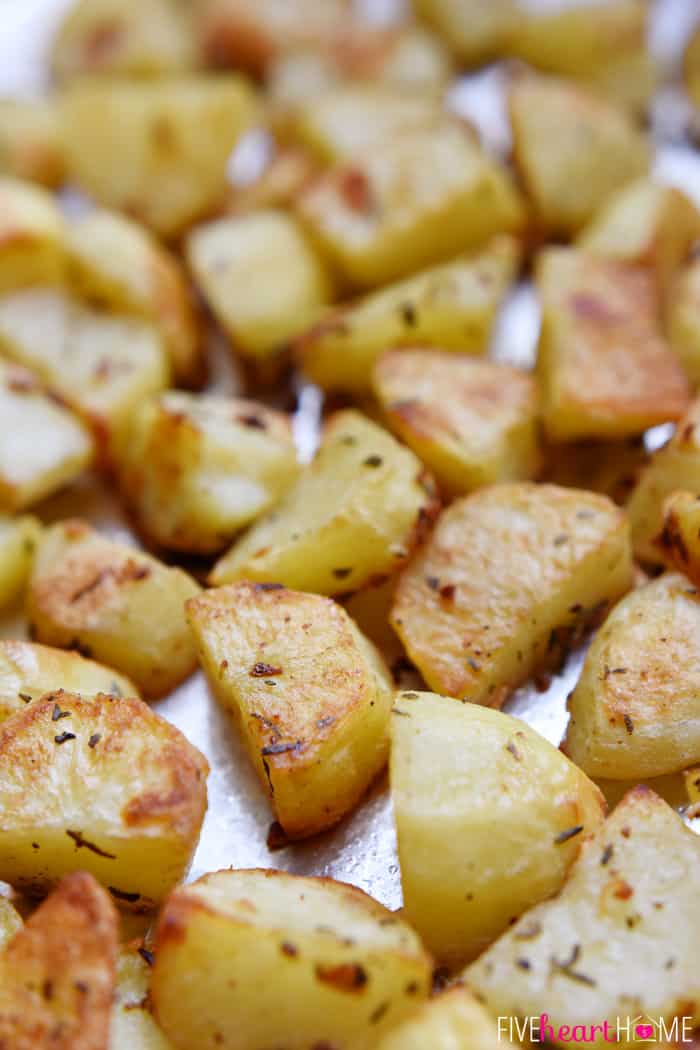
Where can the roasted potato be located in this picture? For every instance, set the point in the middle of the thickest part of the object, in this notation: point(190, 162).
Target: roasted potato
point(10, 921)
point(31, 236)
point(28, 671)
point(635, 711)
point(344, 969)
point(132, 1024)
point(42, 446)
point(100, 784)
point(604, 366)
point(472, 423)
point(452, 306)
point(120, 266)
point(494, 832)
point(197, 468)
point(57, 973)
point(262, 279)
point(475, 29)
point(113, 602)
point(309, 693)
point(573, 150)
point(18, 539)
point(684, 320)
point(691, 66)
point(31, 144)
point(620, 939)
point(509, 579)
point(609, 467)
point(355, 514)
point(454, 1020)
point(679, 540)
point(158, 149)
point(390, 213)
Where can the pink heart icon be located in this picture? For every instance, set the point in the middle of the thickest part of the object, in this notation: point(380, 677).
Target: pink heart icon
point(644, 1031)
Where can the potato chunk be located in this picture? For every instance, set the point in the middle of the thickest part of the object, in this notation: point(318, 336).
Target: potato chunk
point(113, 602)
point(679, 540)
point(452, 306)
point(31, 144)
point(28, 671)
point(618, 941)
point(684, 320)
point(508, 580)
point(158, 149)
point(635, 711)
point(132, 1025)
point(605, 368)
point(343, 968)
point(573, 150)
point(476, 30)
point(356, 513)
point(197, 468)
point(495, 833)
point(18, 539)
point(119, 265)
point(310, 694)
point(451, 1021)
point(31, 236)
point(100, 784)
point(471, 422)
point(57, 974)
point(391, 213)
point(261, 278)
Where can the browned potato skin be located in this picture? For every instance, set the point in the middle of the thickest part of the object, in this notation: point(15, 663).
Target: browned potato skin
point(57, 974)
point(679, 539)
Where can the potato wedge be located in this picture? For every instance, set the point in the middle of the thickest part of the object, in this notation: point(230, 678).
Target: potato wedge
point(132, 1025)
point(510, 578)
point(99, 784)
point(684, 321)
point(344, 969)
point(679, 540)
point(635, 711)
point(57, 974)
point(604, 366)
point(452, 306)
point(495, 833)
point(454, 1020)
point(691, 67)
point(620, 939)
point(196, 468)
point(18, 540)
point(310, 694)
point(476, 30)
point(472, 423)
point(356, 513)
point(573, 150)
point(10, 921)
point(156, 149)
point(388, 214)
point(31, 236)
point(31, 144)
point(28, 671)
point(113, 602)
point(262, 279)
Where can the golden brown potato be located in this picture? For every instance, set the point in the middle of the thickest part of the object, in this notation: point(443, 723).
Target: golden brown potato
point(310, 694)
point(452, 306)
point(509, 579)
point(18, 540)
point(493, 833)
point(472, 423)
point(454, 1020)
point(100, 784)
point(691, 65)
point(620, 939)
point(158, 149)
point(635, 711)
point(355, 514)
point(604, 366)
point(476, 30)
point(679, 539)
point(262, 279)
point(57, 974)
point(393, 211)
point(196, 468)
point(132, 1024)
point(609, 467)
point(113, 602)
point(573, 150)
point(31, 142)
point(341, 968)
point(684, 320)
point(31, 236)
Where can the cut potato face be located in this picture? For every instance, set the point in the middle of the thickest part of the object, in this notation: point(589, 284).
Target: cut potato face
point(573, 150)
point(605, 368)
point(635, 711)
point(679, 540)
point(472, 423)
point(310, 694)
point(475, 29)
point(98, 784)
point(620, 940)
point(42, 446)
point(262, 280)
point(31, 145)
point(197, 468)
point(509, 579)
point(112, 602)
point(355, 514)
point(156, 150)
point(132, 1024)
point(390, 214)
point(31, 236)
point(344, 969)
point(684, 321)
point(57, 974)
point(454, 1020)
point(495, 833)
point(18, 540)
point(452, 306)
